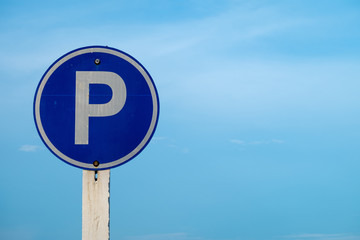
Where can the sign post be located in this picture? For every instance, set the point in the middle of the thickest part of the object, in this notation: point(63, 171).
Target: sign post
point(95, 205)
point(96, 108)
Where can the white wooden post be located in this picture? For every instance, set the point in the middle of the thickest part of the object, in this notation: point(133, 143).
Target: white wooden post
point(95, 205)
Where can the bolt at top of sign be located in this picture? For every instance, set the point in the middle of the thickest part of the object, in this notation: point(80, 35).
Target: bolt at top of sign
point(96, 108)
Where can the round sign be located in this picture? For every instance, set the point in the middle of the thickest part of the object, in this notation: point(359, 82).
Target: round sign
point(96, 108)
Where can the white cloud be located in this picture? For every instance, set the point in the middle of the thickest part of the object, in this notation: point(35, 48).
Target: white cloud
point(237, 141)
point(163, 236)
point(159, 138)
point(256, 142)
point(319, 236)
point(29, 148)
point(21, 232)
point(179, 148)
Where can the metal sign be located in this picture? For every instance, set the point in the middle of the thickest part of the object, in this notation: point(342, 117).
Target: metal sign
point(96, 108)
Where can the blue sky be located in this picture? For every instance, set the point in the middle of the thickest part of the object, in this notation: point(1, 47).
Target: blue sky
point(258, 136)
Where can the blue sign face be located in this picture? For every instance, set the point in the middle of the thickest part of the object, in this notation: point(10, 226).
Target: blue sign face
point(96, 108)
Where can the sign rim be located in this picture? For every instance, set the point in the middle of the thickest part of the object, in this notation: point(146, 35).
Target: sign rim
point(70, 55)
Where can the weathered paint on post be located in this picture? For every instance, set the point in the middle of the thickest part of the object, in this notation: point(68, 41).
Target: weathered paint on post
point(95, 205)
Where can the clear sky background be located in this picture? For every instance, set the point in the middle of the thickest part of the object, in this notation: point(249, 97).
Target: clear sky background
point(258, 136)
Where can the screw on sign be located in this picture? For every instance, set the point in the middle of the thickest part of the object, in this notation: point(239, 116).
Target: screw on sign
point(96, 108)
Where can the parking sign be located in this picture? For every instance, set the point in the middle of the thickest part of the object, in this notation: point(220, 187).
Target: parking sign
point(96, 108)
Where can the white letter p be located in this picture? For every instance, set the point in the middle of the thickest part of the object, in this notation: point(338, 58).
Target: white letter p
point(84, 110)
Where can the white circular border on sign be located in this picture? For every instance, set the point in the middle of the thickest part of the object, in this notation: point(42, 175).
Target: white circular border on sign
point(153, 96)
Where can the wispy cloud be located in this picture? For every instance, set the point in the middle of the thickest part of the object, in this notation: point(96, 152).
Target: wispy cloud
point(29, 148)
point(320, 236)
point(164, 236)
point(159, 138)
point(179, 148)
point(23, 233)
point(256, 142)
point(170, 143)
point(237, 141)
